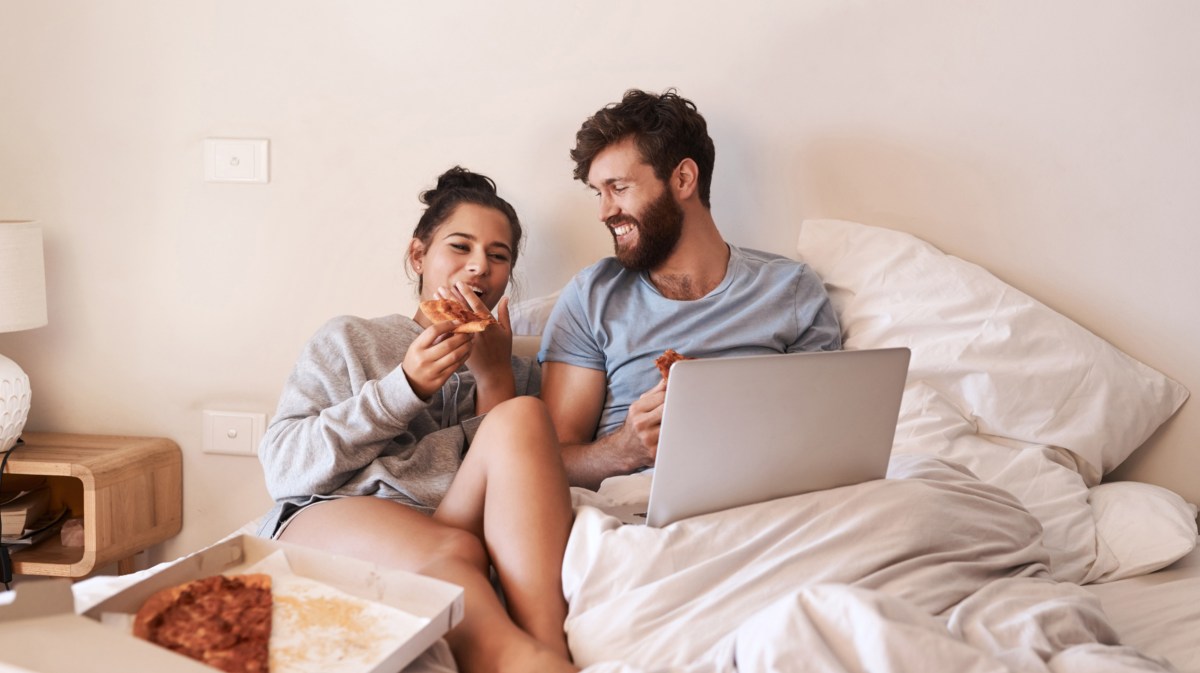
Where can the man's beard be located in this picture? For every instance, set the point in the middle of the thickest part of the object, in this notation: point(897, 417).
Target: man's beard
point(658, 230)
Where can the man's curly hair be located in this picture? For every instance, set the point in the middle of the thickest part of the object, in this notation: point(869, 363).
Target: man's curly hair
point(666, 129)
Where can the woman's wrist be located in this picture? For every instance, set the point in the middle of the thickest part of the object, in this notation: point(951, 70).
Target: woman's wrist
point(493, 389)
point(500, 381)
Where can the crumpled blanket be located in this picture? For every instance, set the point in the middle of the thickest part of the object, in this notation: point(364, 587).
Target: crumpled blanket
point(928, 570)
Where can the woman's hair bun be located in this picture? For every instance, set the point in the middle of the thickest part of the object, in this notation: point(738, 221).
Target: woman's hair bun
point(454, 188)
point(458, 179)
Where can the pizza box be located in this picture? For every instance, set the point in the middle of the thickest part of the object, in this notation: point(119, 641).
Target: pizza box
point(40, 633)
point(430, 607)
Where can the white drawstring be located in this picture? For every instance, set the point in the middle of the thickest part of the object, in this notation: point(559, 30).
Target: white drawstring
point(450, 411)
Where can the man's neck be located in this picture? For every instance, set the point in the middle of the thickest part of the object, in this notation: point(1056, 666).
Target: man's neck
point(698, 264)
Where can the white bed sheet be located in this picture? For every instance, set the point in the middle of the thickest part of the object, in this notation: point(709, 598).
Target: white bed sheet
point(931, 569)
point(1159, 613)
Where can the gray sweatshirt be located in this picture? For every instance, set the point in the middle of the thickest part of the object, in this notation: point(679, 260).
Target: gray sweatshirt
point(349, 423)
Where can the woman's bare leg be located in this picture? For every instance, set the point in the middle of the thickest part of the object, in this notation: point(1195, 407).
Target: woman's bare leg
point(512, 492)
point(394, 535)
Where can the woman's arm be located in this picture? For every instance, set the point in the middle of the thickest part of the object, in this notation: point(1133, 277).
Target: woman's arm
point(345, 402)
point(324, 432)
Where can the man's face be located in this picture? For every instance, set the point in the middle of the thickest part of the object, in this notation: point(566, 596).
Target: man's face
point(659, 227)
point(639, 210)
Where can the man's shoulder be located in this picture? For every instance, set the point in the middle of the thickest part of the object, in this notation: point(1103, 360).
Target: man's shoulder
point(761, 261)
point(762, 256)
point(607, 271)
point(606, 266)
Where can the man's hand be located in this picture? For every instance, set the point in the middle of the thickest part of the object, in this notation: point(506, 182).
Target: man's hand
point(642, 425)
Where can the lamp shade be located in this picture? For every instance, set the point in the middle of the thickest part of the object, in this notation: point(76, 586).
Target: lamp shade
point(22, 277)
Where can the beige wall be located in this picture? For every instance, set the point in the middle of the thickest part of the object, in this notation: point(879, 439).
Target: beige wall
point(1055, 143)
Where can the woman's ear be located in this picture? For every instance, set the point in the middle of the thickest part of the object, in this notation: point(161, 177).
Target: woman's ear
point(416, 255)
point(686, 179)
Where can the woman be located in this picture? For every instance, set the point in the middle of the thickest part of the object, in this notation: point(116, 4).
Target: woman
point(380, 448)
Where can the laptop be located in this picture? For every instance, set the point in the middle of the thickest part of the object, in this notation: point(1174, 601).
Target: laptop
point(743, 430)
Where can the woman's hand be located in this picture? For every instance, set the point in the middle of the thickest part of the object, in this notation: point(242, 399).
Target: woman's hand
point(434, 356)
point(492, 350)
point(491, 353)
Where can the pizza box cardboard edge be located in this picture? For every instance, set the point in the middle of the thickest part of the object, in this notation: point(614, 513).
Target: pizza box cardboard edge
point(41, 620)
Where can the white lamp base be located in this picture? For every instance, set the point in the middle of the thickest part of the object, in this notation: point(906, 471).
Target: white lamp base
point(14, 402)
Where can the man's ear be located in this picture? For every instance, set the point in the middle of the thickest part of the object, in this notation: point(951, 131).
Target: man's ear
point(685, 180)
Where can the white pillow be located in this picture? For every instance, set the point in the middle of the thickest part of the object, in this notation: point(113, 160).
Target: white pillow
point(529, 316)
point(1012, 366)
point(1145, 527)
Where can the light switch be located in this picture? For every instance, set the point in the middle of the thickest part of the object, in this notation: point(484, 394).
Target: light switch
point(233, 432)
point(236, 160)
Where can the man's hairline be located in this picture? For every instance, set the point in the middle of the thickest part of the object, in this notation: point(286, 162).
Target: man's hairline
point(632, 135)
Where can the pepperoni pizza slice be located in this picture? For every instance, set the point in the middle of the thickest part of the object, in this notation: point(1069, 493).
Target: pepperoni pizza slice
point(441, 310)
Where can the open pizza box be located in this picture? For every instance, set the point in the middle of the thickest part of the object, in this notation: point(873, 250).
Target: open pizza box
point(382, 621)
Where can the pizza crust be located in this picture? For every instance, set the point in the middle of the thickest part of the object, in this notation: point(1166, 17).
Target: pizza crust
point(441, 310)
point(668, 358)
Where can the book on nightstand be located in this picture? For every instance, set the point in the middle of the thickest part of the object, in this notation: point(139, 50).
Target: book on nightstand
point(46, 525)
point(20, 509)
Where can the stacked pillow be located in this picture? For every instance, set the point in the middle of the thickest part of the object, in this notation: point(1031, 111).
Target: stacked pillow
point(1020, 394)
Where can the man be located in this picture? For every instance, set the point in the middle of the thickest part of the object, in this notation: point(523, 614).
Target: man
point(673, 283)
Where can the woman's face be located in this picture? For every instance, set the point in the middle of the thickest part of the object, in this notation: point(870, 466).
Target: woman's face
point(473, 247)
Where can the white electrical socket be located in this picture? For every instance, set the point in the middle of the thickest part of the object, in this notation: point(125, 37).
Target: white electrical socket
point(236, 160)
point(234, 433)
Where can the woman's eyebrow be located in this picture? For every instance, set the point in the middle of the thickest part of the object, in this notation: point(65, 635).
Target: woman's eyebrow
point(472, 237)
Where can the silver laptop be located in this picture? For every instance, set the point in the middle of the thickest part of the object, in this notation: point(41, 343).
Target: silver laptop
point(742, 430)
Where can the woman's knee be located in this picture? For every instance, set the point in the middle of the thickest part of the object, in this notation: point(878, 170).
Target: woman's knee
point(521, 410)
point(521, 418)
point(518, 432)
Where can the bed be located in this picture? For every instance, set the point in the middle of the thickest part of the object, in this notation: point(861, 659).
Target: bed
point(994, 544)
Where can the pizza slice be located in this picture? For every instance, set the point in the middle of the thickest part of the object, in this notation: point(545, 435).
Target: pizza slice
point(221, 621)
point(441, 310)
point(668, 358)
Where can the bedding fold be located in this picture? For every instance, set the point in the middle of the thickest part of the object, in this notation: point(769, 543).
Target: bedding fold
point(930, 569)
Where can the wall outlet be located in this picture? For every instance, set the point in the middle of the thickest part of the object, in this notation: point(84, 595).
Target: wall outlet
point(236, 160)
point(234, 433)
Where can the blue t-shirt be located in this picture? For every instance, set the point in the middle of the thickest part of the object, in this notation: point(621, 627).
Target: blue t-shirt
point(615, 320)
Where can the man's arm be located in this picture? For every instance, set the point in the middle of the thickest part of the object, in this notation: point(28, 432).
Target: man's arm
point(574, 396)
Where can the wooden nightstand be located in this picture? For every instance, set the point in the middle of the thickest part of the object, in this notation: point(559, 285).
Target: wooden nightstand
point(129, 491)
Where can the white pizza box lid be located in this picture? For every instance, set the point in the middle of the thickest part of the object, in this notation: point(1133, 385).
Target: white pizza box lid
point(437, 604)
